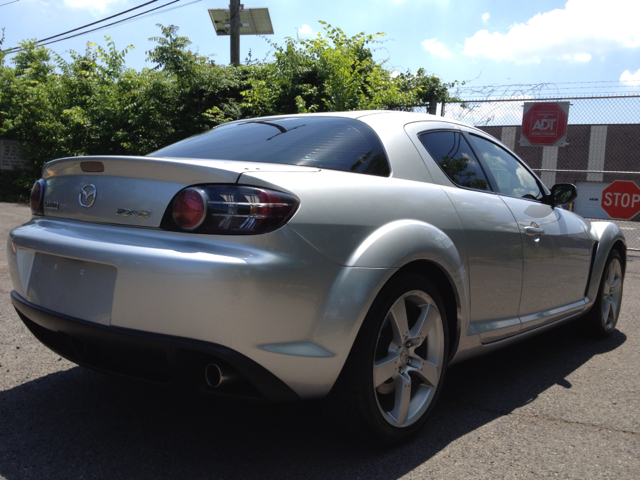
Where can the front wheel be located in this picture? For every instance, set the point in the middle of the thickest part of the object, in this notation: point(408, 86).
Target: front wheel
point(603, 316)
point(394, 373)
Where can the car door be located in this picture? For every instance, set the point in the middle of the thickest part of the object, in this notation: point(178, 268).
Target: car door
point(556, 245)
point(494, 247)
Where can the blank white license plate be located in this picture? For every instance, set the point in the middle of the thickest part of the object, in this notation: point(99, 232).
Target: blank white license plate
point(76, 288)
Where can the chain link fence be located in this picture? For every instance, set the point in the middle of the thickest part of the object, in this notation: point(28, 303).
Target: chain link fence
point(603, 145)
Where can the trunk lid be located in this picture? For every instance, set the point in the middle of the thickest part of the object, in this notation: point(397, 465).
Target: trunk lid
point(132, 191)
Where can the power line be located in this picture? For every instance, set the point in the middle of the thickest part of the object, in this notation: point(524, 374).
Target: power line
point(131, 18)
point(99, 21)
point(14, 1)
point(14, 49)
point(110, 24)
point(124, 22)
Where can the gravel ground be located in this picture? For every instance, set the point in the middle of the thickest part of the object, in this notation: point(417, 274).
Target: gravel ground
point(559, 405)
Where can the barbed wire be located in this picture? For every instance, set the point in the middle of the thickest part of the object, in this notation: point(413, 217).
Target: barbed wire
point(546, 83)
point(537, 90)
point(525, 98)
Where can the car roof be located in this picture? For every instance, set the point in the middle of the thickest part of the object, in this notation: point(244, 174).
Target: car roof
point(393, 116)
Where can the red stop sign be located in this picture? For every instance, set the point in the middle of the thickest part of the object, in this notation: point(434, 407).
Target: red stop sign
point(545, 123)
point(621, 199)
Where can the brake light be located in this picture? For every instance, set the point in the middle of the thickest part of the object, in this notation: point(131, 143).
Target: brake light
point(190, 208)
point(37, 195)
point(230, 210)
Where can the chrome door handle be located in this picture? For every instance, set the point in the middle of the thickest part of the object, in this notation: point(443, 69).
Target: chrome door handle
point(533, 231)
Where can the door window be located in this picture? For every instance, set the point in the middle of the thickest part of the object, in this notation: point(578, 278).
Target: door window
point(511, 177)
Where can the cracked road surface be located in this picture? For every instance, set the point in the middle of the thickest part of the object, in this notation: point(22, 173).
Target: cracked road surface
point(559, 405)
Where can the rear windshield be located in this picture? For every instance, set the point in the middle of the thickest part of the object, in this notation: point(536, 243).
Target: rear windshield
point(324, 142)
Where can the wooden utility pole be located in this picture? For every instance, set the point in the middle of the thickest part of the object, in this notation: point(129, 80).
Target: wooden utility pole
point(236, 20)
point(234, 15)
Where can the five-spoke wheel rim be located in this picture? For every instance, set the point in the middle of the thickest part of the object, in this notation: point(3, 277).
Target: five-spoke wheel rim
point(611, 294)
point(409, 358)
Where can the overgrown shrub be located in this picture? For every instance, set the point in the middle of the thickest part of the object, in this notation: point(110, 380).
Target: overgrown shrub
point(94, 104)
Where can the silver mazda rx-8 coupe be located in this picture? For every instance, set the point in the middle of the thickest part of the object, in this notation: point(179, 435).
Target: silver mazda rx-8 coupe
point(346, 256)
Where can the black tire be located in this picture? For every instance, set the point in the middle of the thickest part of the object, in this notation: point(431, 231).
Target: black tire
point(602, 319)
point(393, 409)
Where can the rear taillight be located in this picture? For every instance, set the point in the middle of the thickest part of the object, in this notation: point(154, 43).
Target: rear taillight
point(37, 196)
point(190, 208)
point(229, 209)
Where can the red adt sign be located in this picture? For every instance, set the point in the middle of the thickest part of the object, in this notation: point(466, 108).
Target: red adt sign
point(621, 199)
point(544, 124)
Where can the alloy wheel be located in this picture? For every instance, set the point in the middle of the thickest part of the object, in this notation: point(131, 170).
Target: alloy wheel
point(409, 358)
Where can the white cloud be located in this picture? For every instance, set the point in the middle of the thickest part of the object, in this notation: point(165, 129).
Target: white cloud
point(581, 29)
point(485, 16)
point(437, 48)
point(305, 30)
point(582, 57)
point(95, 5)
point(630, 78)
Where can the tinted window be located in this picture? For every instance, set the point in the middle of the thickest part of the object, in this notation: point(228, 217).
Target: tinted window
point(510, 176)
point(453, 154)
point(334, 143)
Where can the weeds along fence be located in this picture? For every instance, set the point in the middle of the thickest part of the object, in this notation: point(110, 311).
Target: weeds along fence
point(603, 145)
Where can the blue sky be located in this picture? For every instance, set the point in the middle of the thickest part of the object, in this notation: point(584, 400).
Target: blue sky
point(489, 42)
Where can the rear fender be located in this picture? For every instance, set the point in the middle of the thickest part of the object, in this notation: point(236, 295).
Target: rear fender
point(400, 243)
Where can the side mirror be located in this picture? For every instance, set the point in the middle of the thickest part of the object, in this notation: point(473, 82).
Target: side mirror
point(563, 194)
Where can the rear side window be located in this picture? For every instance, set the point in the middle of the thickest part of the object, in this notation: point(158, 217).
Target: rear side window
point(452, 152)
point(324, 142)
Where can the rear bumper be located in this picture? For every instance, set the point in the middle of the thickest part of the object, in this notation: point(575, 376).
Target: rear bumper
point(272, 298)
point(146, 356)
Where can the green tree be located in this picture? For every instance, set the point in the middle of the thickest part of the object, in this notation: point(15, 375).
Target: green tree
point(334, 72)
point(204, 94)
point(93, 104)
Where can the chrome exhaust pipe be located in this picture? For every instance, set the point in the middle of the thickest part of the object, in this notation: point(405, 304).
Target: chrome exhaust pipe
point(217, 376)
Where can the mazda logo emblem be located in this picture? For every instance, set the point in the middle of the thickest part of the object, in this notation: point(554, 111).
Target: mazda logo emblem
point(87, 195)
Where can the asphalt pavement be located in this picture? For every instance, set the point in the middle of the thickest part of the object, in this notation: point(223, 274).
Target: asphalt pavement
point(559, 405)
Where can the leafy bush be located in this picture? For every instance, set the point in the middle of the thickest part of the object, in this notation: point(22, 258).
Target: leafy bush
point(94, 104)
